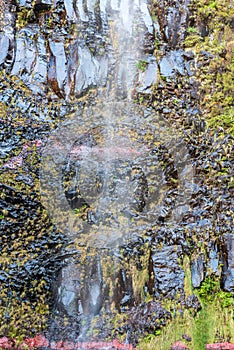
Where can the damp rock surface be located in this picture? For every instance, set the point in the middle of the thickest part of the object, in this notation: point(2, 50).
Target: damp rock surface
point(57, 59)
point(228, 262)
point(168, 276)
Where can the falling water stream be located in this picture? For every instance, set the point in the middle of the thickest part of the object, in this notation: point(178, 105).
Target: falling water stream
point(101, 174)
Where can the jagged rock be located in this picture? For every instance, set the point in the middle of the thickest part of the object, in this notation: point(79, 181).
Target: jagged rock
point(4, 47)
point(25, 3)
point(228, 262)
point(146, 318)
point(80, 295)
point(168, 275)
point(197, 271)
point(213, 263)
point(7, 33)
point(42, 5)
point(148, 77)
point(87, 72)
point(187, 337)
point(146, 17)
point(173, 16)
point(40, 68)
point(172, 63)
point(70, 10)
point(80, 7)
point(58, 64)
point(25, 54)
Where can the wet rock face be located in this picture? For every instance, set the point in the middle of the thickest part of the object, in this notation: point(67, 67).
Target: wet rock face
point(168, 275)
point(192, 302)
point(53, 53)
point(146, 318)
point(42, 56)
point(65, 45)
point(40, 52)
point(228, 262)
point(80, 289)
point(4, 44)
point(197, 271)
point(173, 21)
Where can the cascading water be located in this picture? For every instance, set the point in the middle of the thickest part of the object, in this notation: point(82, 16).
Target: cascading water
point(116, 178)
point(101, 179)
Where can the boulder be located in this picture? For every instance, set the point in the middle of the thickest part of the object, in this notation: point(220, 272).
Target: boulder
point(168, 275)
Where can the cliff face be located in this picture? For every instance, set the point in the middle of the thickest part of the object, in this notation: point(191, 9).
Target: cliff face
point(60, 61)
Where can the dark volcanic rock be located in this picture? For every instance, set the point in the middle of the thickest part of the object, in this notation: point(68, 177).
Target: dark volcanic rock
point(146, 319)
point(197, 271)
point(168, 275)
point(214, 258)
point(173, 63)
point(192, 302)
point(173, 20)
point(228, 262)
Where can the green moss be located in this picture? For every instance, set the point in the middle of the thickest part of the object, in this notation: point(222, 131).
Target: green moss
point(140, 277)
point(215, 75)
point(213, 323)
point(142, 65)
point(210, 290)
point(192, 39)
point(23, 17)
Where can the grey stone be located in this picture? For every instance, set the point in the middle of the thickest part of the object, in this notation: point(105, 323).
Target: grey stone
point(57, 49)
point(25, 3)
point(40, 69)
point(69, 6)
point(197, 271)
point(168, 275)
point(25, 53)
point(149, 76)
point(228, 262)
point(83, 16)
point(87, 71)
point(146, 17)
point(213, 264)
point(172, 63)
point(4, 46)
point(44, 2)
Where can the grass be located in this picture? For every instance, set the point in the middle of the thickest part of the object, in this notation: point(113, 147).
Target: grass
point(213, 323)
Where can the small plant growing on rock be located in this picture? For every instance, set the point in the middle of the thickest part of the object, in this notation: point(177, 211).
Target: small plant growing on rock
point(210, 289)
point(141, 65)
point(193, 30)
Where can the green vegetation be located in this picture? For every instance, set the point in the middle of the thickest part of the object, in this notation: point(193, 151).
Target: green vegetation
point(213, 323)
point(140, 276)
point(210, 289)
point(141, 65)
point(24, 17)
point(192, 30)
point(216, 64)
point(24, 302)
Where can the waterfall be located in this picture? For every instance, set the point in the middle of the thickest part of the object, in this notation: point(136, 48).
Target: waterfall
point(101, 177)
